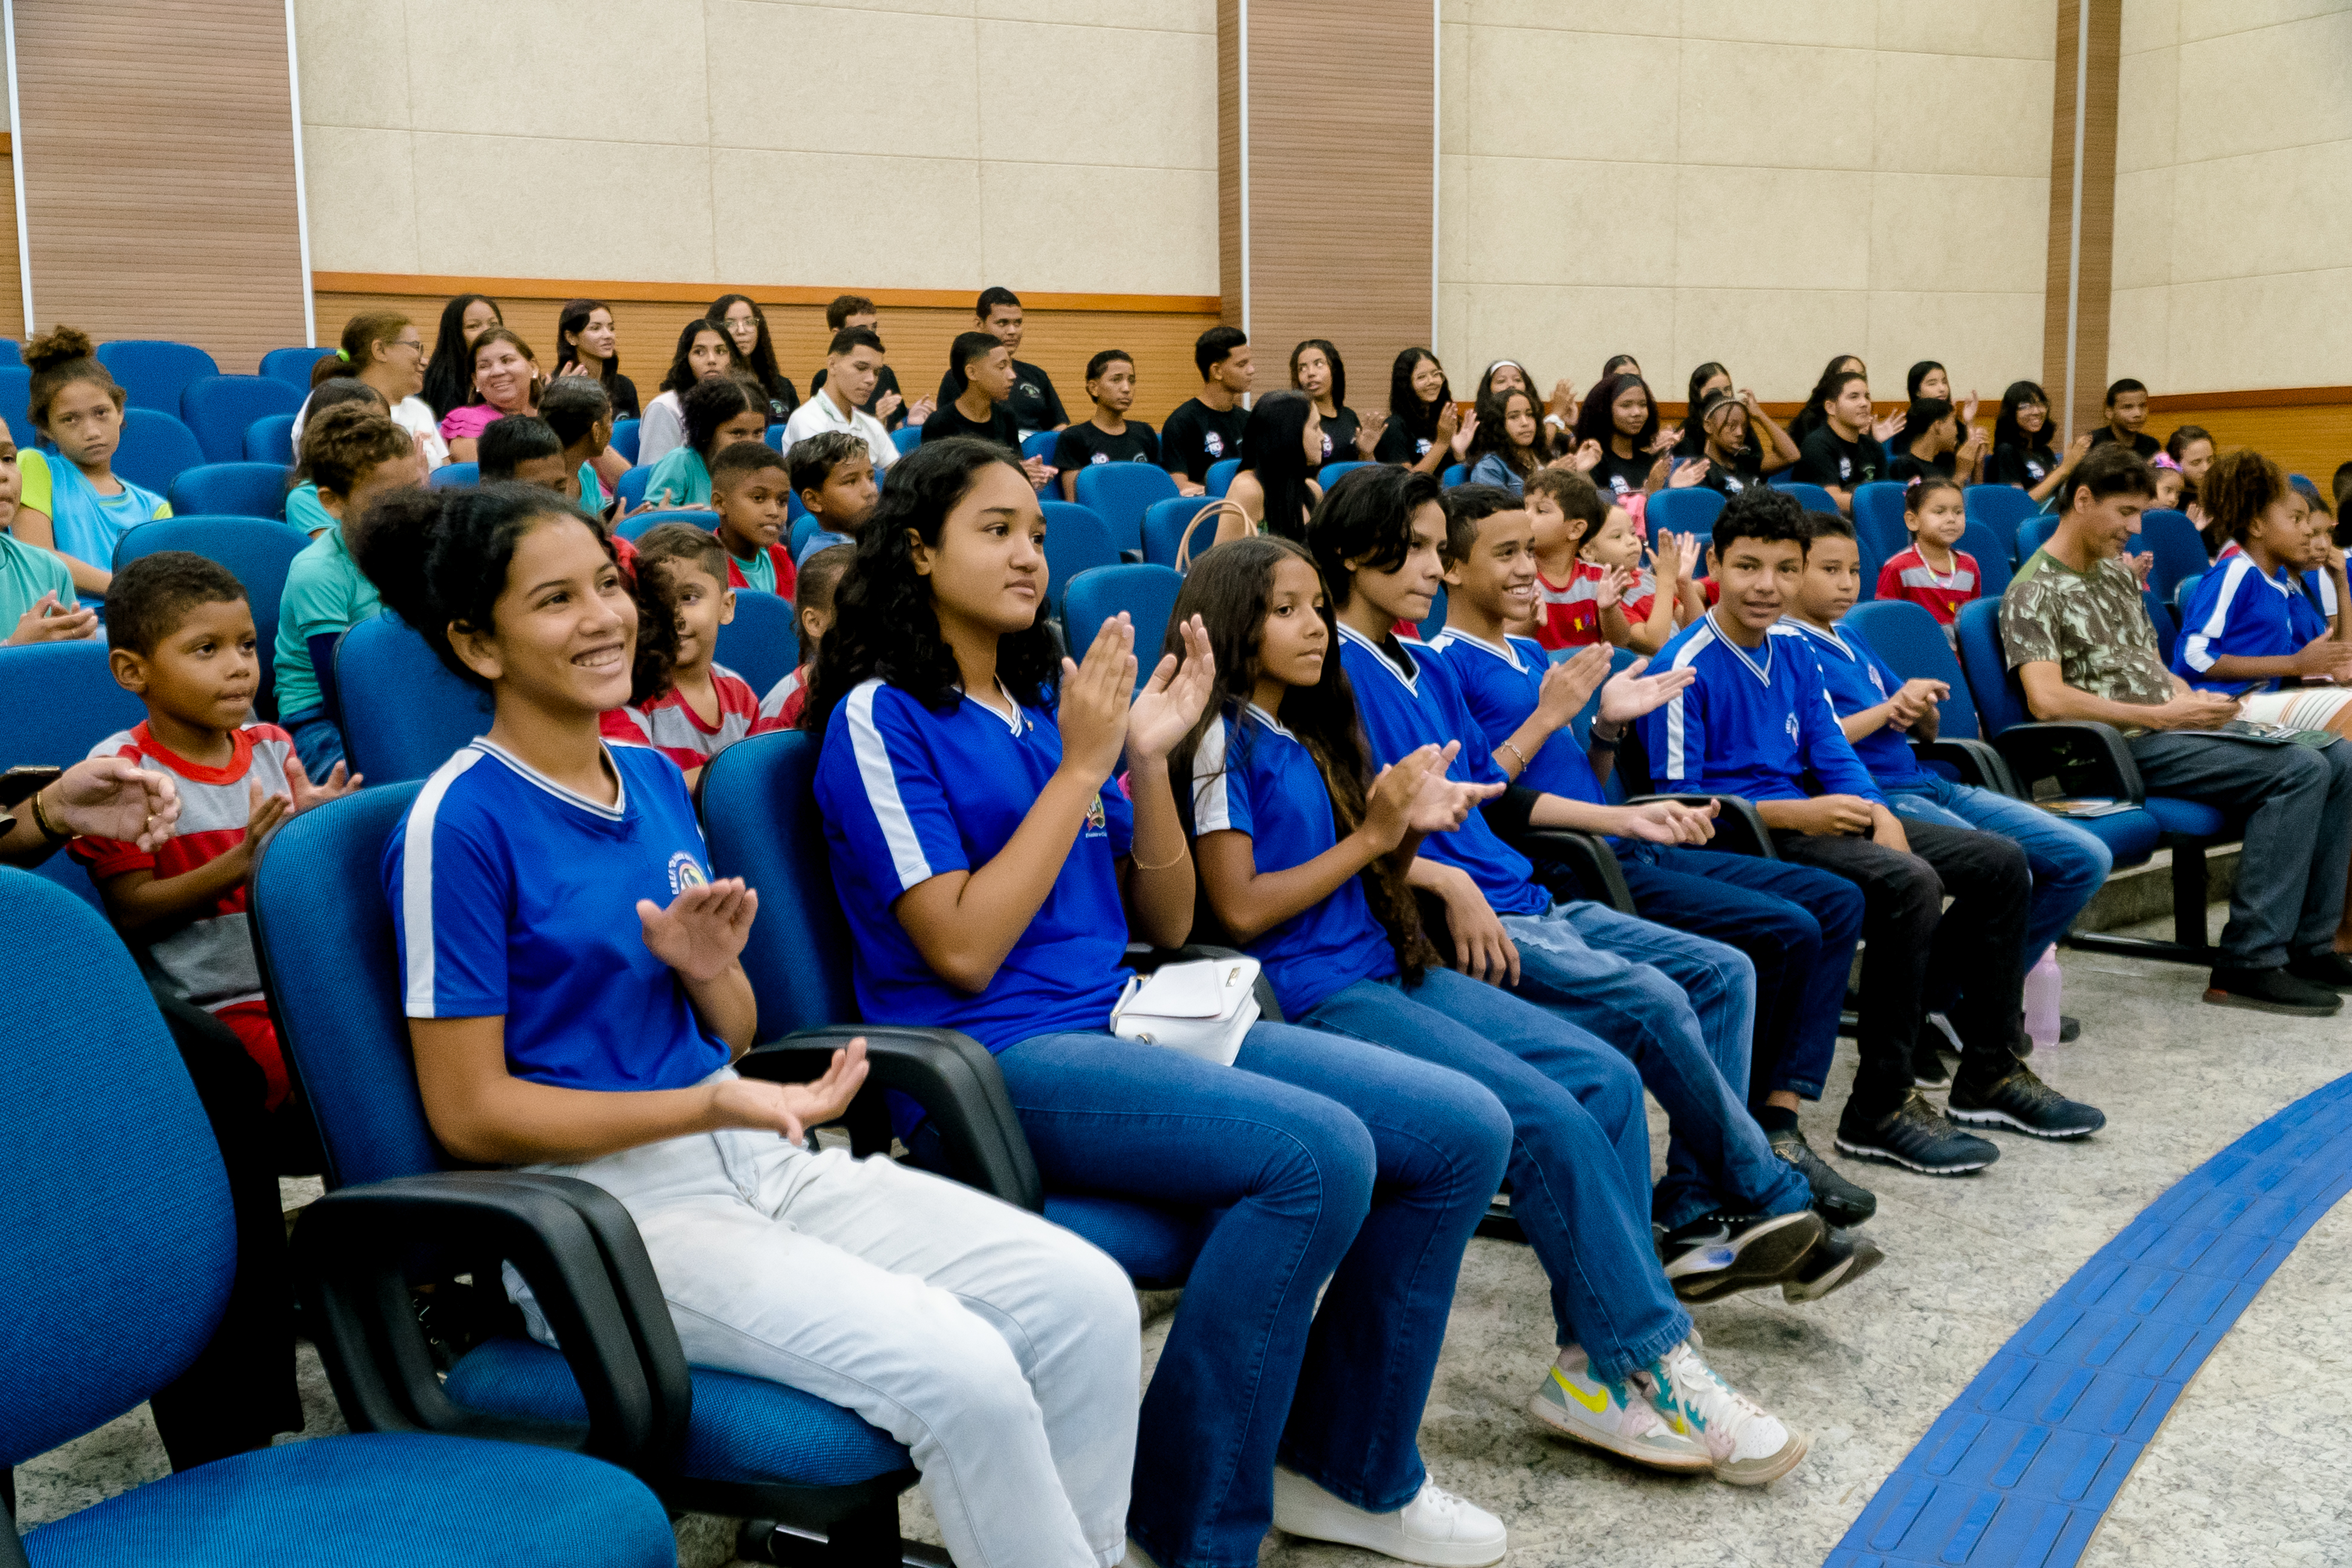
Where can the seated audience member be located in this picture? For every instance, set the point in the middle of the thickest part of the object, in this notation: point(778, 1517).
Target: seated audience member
point(1523, 706)
point(2189, 451)
point(852, 363)
point(1762, 447)
point(716, 414)
point(1560, 414)
point(820, 578)
point(1424, 429)
point(2341, 484)
point(2126, 413)
point(1639, 606)
point(1844, 455)
point(1316, 370)
point(992, 869)
point(705, 351)
point(1617, 442)
point(1756, 723)
point(305, 509)
point(591, 1034)
point(1881, 713)
point(982, 366)
point(506, 382)
point(747, 324)
point(1680, 1007)
point(577, 411)
point(523, 447)
point(751, 489)
point(1507, 445)
point(1563, 511)
point(1815, 413)
point(833, 477)
point(1207, 429)
point(703, 707)
point(588, 347)
point(1934, 572)
point(1280, 447)
point(2022, 453)
point(355, 456)
point(37, 601)
point(886, 402)
point(2171, 485)
point(449, 372)
point(2077, 633)
point(384, 349)
point(1933, 442)
point(1620, 365)
point(2249, 631)
point(1032, 400)
point(1929, 378)
point(1108, 435)
point(74, 504)
point(1275, 771)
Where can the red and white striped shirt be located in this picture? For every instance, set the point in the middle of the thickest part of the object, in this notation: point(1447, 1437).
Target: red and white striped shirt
point(674, 729)
point(1940, 594)
point(785, 700)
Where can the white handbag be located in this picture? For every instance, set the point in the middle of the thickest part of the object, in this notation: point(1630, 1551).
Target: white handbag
point(1202, 1008)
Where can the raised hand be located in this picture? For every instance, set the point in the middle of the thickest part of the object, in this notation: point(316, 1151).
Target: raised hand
point(1562, 401)
point(1171, 700)
point(308, 794)
point(1611, 590)
point(1886, 429)
point(1689, 474)
point(1389, 803)
point(2077, 449)
point(1968, 409)
point(889, 403)
point(1570, 684)
point(1442, 803)
point(1094, 698)
point(1367, 433)
point(702, 932)
point(921, 409)
point(1664, 441)
point(50, 621)
point(791, 1109)
point(265, 814)
point(1587, 457)
point(1464, 436)
point(1629, 694)
point(2141, 564)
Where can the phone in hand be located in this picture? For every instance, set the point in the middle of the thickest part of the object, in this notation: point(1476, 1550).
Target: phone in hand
point(20, 785)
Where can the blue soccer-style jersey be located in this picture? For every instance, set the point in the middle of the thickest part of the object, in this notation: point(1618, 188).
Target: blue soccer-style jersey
point(1501, 686)
point(1753, 724)
point(908, 795)
point(513, 895)
point(2236, 612)
point(1251, 776)
point(1402, 713)
point(1856, 679)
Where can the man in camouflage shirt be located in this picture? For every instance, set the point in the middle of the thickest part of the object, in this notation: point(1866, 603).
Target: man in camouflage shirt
point(2075, 631)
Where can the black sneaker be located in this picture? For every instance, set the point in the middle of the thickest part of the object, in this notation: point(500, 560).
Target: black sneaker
point(1928, 1063)
point(2023, 1103)
point(1720, 1255)
point(2332, 970)
point(1918, 1137)
point(1835, 1199)
point(2273, 991)
point(1842, 1258)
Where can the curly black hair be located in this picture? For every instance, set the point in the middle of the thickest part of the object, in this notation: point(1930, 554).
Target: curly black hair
point(883, 622)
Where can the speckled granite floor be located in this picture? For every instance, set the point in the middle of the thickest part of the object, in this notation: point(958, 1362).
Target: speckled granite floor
point(2255, 1463)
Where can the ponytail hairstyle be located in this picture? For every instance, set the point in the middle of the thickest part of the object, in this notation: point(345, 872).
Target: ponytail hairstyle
point(502, 335)
point(1229, 589)
point(361, 334)
point(2238, 489)
point(884, 625)
point(336, 391)
point(681, 370)
point(2008, 432)
point(574, 320)
point(441, 558)
point(707, 404)
point(450, 373)
point(1494, 409)
point(343, 442)
point(58, 360)
point(1274, 449)
point(1916, 494)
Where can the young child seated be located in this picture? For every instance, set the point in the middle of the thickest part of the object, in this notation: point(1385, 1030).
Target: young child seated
point(2249, 631)
point(305, 509)
point(355, 455)
point(37, 591)
point(2171, 484)
point(1564, 507)
point(580, 412)
point(524, 449)
point(1934, 574)
point(703, 707)
point(1639, 606)
point(820, 575)
point(78, 506)
point(716, 413)
point(184, 644)
point(749, 489)
point(834, 480)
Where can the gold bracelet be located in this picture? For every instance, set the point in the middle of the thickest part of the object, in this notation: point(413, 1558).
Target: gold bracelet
point(1181, 851)
point(50, 830)
point(1518, 753)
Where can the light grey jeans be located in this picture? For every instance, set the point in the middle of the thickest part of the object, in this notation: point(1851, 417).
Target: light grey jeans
point(1002, 1350)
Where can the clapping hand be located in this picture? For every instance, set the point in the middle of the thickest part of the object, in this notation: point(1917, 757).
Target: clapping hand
point(1171, 700)
point(1886, 429)
point(1095, 695)
point(702, 932)
point(1570, 683)
point(1689, 474)
point(113, 797)
point(49, 621)
point(1629, 694)
point(791, 1109)
point(1610, 592)
point(308, 794)
point(1587, 457)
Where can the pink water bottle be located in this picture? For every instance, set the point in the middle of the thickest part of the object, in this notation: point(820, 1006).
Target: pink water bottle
point(2043, 984)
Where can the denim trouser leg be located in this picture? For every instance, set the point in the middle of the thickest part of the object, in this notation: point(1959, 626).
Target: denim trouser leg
point(316, 740)
point(1308, 1185)
point(1579, 1155)
point(1681, 1008)
point(2068, 862)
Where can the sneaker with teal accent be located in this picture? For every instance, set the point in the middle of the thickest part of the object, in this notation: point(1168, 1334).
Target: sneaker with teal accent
point(1746, 1445)
point(1611, 1415)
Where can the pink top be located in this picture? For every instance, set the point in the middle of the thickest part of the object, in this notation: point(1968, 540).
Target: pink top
point(467, 423)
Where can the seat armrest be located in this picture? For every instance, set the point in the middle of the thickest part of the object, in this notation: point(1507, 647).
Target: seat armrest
point(574, 1245)
point(951, 1075)
point(1587, 854)
point(1739, 826)
point(2085, 758)
point(1977, 762)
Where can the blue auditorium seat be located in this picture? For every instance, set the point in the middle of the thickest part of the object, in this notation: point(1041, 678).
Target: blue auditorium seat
point(1220, 476)
point(631, 487)
point(625, 438)
point(1878, 524)
point(1166, 524)
point(219, 410)
point(2179, 548)
point(635, 527)
point(293, 366)
point(451, 476)
point(257, 552)
point(1331, 474)
point(401, 710)
point(1812, 498)
point(1147, 594)
point(154, 372)
point(230, 489)
point(1040, 444)
point(2033, 533)
point(81, 704)
point(907, 437)
point(1454, 474)
point(156, 449)
point(1120, 494)
point(2000, 510)
point(271, 441)
point(759, 644)
point(1691, 509)
point(16, 402)
point(1076, 541)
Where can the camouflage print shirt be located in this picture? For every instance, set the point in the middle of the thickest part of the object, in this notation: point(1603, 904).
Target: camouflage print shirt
point(2093, 624)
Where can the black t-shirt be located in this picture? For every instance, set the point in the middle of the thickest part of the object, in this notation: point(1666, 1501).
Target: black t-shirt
point(1907, 467)
point(623, 393)
point(884, 382)
point(1745, 469)
point(1825, 459)
point(1086, 443)
point(1034, 404)
point(1623, 477)
point(2144, 444)
point(1339, 434)
point(947, 420)
point(781, 399)
point(1197, 435)
point(2024, 467)
point(1398, 444)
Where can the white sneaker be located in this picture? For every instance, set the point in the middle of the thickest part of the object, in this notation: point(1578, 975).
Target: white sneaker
point(1611, 1415)
point(1436, 1528)
point(1749, 1446)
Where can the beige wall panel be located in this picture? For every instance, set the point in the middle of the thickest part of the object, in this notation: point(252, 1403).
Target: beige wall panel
point(1835, 24)
point(361, 187)
point(2213, 18)
point(547, 216)
point(1049, 224)
point(1528, 220)
point(1561, 332)
point(1772, 228)
point(1153, 112)
point(2291, 329)
point(892, 83)
point(1956, 233)
point(1773, 341)
point(2151, 25)
point(883, 223)
point(570, 69)
point(1518, 106)
point(1985, 340)
point(354, 63)
point(2272, 212)
point(1774, 105)
point(2003, 29)
point(2139, 335)
point(1164, 15)
point(2144, 228)
point(1960, 114)
point(2273, 87)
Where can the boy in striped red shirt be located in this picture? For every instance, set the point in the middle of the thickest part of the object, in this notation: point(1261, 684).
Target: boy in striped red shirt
point(705, 708)
point(184, 644)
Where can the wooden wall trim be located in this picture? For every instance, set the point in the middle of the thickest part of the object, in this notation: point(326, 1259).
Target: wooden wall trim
point(422, 284)
point(2257, 397)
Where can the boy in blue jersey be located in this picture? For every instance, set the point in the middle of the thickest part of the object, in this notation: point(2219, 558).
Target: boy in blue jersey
point(1758, 723)
point(1797, 925)
point(1680, 1007)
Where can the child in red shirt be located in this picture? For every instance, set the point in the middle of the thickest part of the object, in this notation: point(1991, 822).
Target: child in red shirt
point(705, 706)
point(1564, 508)
point(751, 489)
point(1934, 572)
point(812, 617)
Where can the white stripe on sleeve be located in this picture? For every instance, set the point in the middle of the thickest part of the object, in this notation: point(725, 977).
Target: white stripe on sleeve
point(417, 880)
point(1677, 720)
point(1212, 812)
point(2200, 654)
point(881, 781)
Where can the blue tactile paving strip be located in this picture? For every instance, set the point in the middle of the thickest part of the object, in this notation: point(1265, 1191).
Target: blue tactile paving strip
point(2019, 1470)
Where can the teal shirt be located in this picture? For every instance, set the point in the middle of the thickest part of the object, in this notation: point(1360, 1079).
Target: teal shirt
point(27, 572)
point(305, 510)
point(759, 571)
point(325, 592)
point(682, 474)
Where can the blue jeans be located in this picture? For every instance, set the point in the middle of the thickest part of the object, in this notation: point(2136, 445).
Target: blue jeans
point(2069, 863)
point(1579, 1151)
point(317, 740)
point(1323, 1154)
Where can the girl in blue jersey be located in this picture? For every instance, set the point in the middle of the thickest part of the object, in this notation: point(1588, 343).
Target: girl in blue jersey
point(2249, 631)
point(992, 868)
point(575, 994)
point(1305, 866)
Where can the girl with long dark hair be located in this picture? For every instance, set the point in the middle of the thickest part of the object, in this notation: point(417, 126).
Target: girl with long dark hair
point(1424, 429)
point(747, 324)
point(1281, 446)
point(724, 409)
point(450, 373)
point(2021, 449)
point(1617, 439)
point(704, 350)
point(587, 344)
point(1509, 446)
point(1316, 370)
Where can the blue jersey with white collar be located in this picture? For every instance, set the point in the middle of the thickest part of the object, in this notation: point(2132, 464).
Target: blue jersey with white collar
point(1253, 777)
point(2236, 612)
point(1501, 687)
point(1402, 714)
point(1856, 679)
point(1753, 724)
point(909, 794)
point(513, 896)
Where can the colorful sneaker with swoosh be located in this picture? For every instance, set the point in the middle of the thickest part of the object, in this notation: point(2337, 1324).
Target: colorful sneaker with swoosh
point(1747, 1444)
point(1612, 1416)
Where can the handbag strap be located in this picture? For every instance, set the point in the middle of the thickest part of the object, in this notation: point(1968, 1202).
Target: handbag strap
point(1217, 507)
